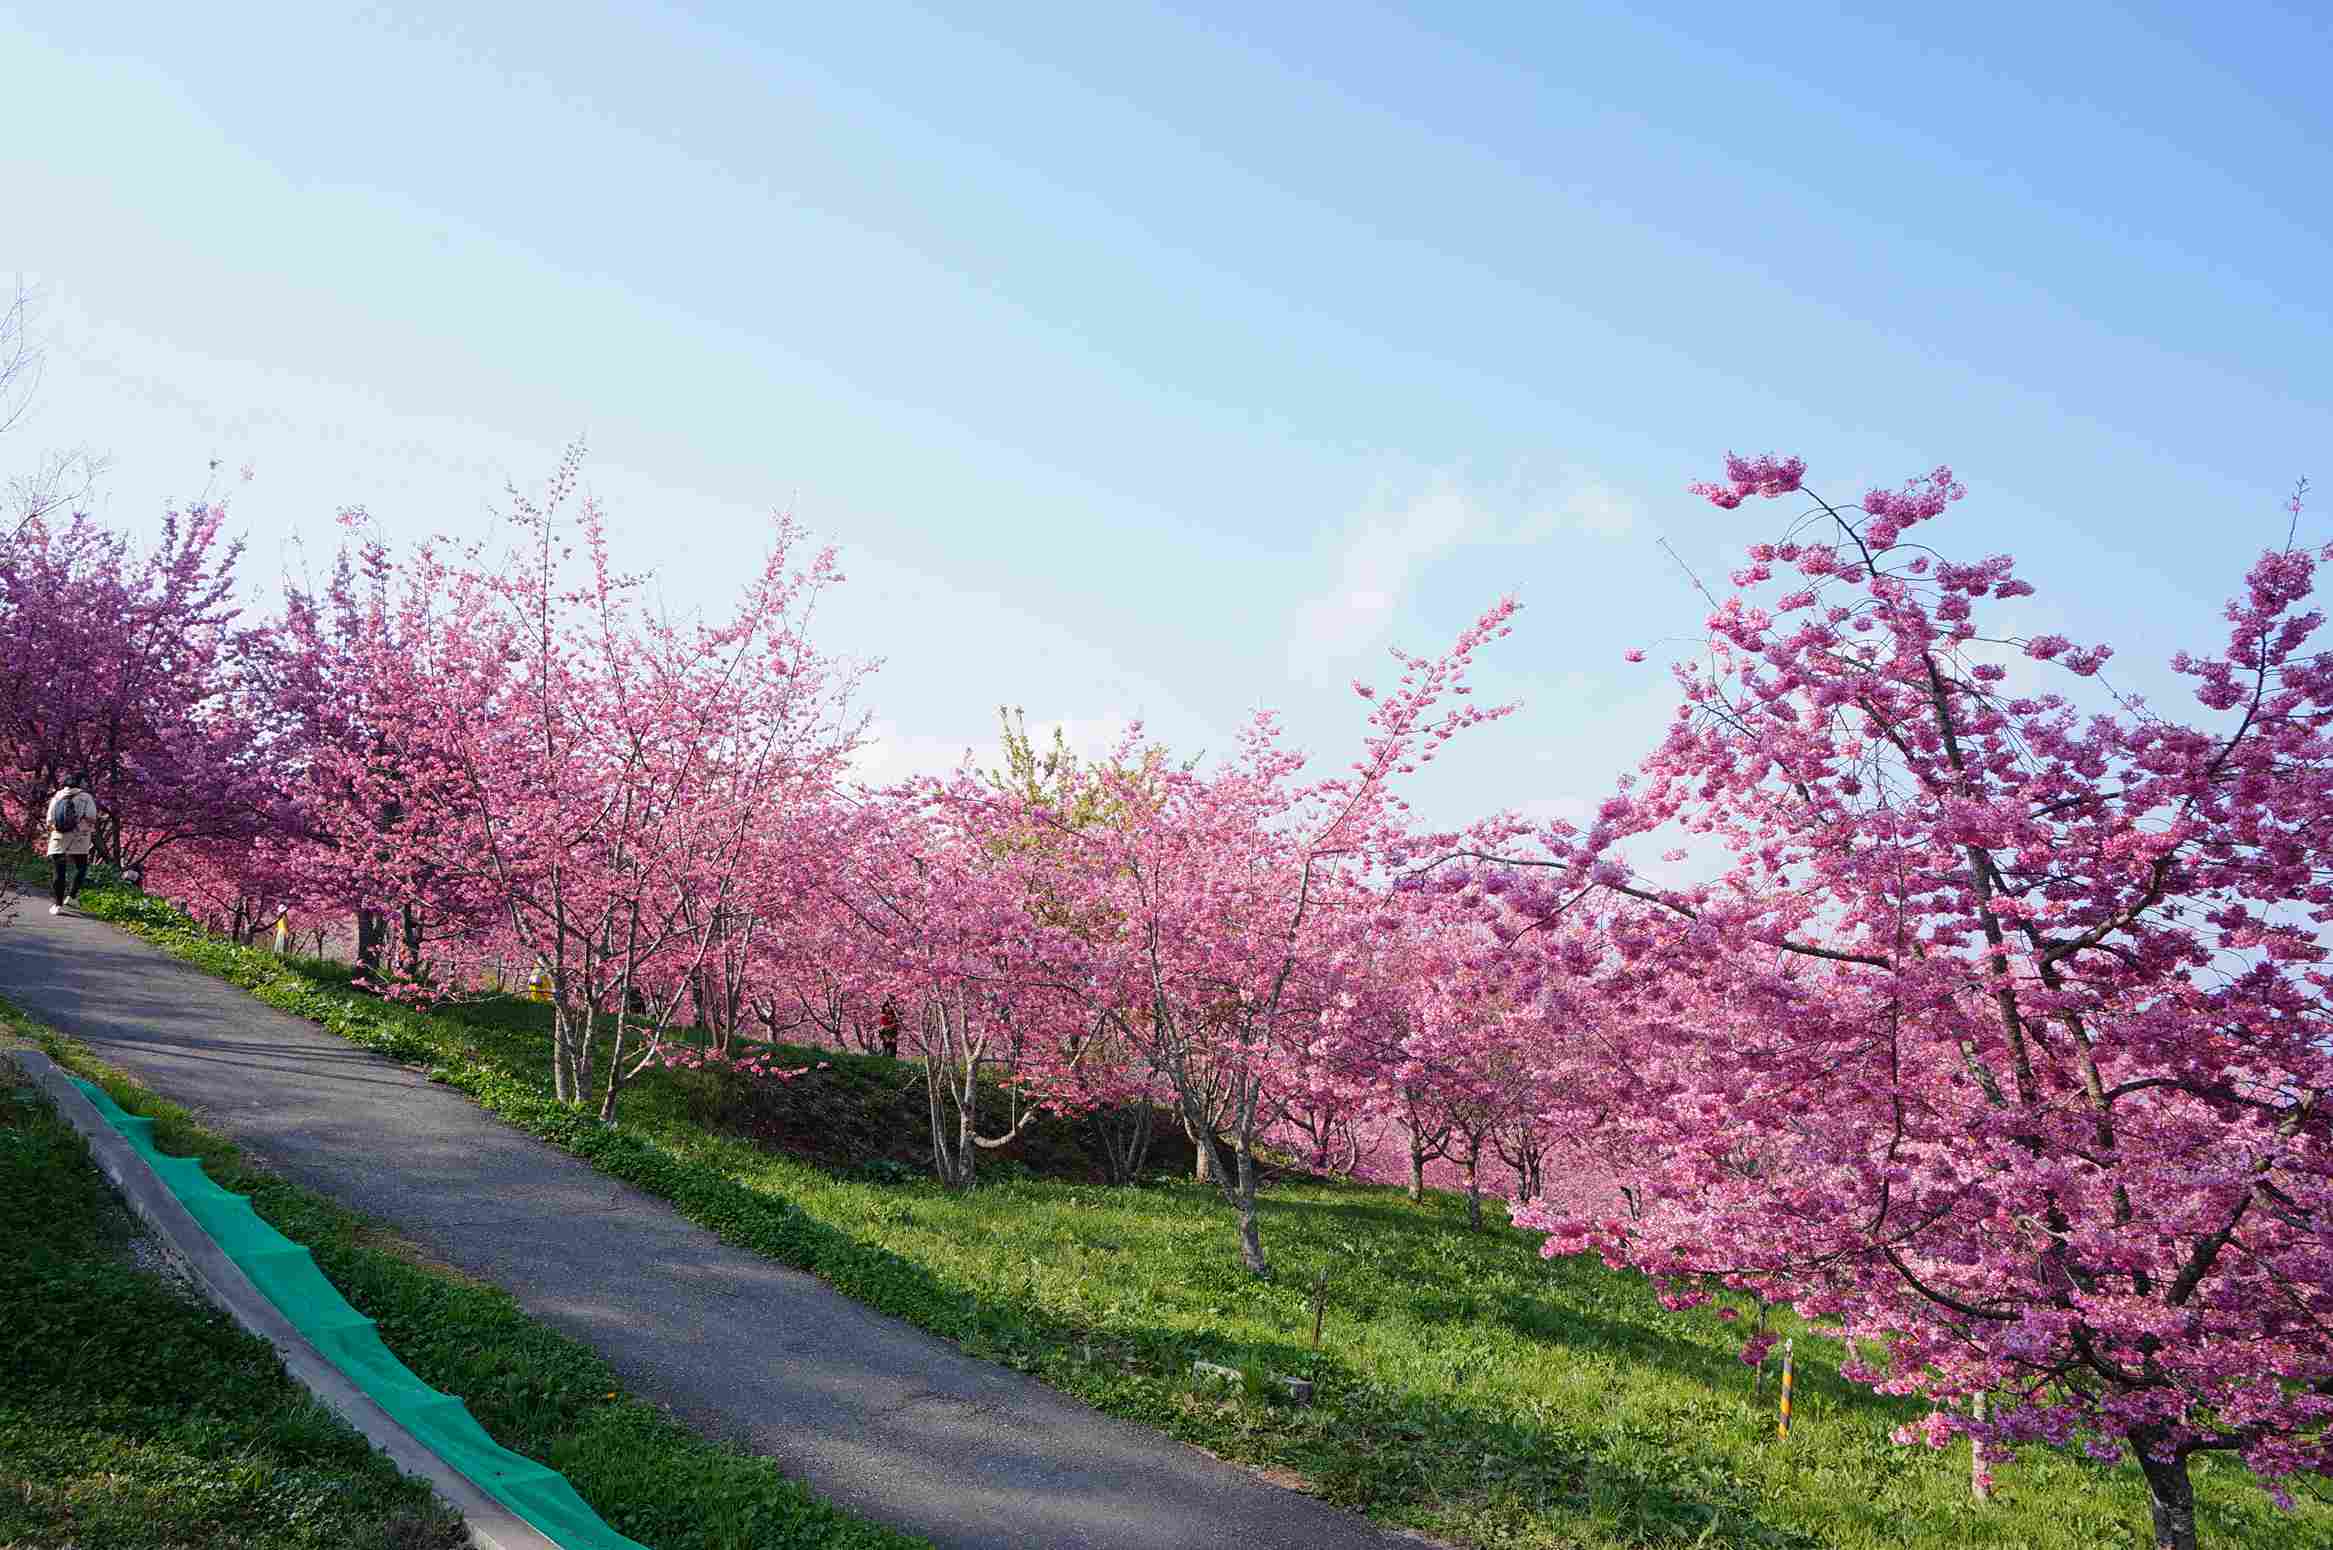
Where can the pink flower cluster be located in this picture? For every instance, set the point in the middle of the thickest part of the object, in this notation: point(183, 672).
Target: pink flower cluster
point(1767, 476)
point(690, 1058)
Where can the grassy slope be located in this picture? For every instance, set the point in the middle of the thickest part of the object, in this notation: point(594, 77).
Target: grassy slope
point(134, 1416)
point(1467, 1387)
point(535, 1391)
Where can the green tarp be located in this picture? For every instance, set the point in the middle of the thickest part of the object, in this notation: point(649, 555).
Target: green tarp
point(286, 1272)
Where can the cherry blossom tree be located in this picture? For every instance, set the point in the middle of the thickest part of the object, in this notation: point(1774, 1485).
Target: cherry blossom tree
point(1235, 893)
point(354, 669)
point(576, 780)
point(1370, 1023)
point(125, 663)
point(1479, 1063)
point(947, 900)
point(2000, 1038)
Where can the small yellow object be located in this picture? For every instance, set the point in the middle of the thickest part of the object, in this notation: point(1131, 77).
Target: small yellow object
point(283, 931)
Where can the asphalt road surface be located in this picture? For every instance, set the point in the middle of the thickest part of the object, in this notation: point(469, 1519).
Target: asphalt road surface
point(870, 1413)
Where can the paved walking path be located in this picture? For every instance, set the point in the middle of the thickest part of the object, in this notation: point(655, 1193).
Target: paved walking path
point(872, 1414)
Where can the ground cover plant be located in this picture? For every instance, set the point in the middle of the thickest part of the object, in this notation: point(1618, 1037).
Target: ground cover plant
point(133, 1414)
point(1466, 1386)
point(189, 1434)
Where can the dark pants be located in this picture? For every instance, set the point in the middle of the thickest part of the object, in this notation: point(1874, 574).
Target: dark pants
point(80, 866)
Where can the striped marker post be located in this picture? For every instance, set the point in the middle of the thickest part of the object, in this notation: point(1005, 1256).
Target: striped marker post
point(1783, 1429)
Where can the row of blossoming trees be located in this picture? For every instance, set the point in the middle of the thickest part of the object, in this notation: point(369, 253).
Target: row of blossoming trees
point(1996, 1034)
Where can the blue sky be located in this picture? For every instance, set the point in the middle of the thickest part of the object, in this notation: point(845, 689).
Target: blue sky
point(1166, 362)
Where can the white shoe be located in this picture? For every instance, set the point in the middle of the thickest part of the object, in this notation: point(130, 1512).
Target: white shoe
point(56, 909)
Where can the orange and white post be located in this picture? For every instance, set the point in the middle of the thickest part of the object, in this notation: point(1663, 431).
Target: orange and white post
point(1782, 1429)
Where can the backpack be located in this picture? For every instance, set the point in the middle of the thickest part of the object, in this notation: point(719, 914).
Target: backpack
point(65, 812)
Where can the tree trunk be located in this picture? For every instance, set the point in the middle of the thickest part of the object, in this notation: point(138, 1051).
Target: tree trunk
point(1247, 1095)
point(615, 1079)
point(372, 940)
point(1124, 1133)
point(943, 1160)
point(582, 1033)
point(562, 1036)
point(2171, 1493)
point(1980, 1478)
point(1238, 1190)
point(1251, 1241)
point(1202, 1152)
point(954, 1157)
point(1474, 1186)
point(1417, 1171)
point(1530, 1171)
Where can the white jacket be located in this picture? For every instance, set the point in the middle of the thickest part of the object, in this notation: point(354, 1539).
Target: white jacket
point(84, 833)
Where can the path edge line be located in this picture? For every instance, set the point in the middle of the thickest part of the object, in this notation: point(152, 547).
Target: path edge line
point(491, 1525)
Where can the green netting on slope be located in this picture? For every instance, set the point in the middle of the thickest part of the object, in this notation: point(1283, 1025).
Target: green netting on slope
point(286, 1272)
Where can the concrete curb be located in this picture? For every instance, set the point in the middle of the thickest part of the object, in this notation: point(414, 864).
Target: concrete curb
point(491, 1525)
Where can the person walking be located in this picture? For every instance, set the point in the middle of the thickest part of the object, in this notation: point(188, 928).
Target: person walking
point(72, 834)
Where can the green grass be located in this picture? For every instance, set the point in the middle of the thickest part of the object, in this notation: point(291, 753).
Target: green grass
point(133, 1415)
point(1467, 1387)
point(535, 1391)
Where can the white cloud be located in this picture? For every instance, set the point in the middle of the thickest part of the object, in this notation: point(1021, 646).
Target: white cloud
point(890, 754)
point(2022, 675)
point(1377, 557)
point(1381, 551)
point(1579, 503)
